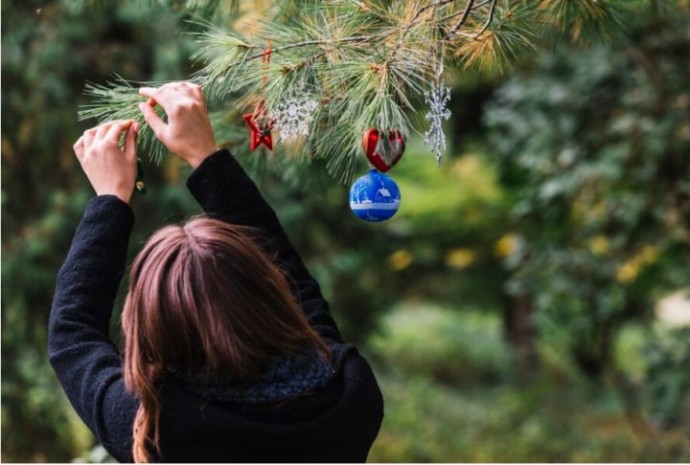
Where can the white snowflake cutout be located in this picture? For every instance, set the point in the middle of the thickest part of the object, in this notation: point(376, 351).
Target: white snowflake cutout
point(293, 116)
point(437, 98)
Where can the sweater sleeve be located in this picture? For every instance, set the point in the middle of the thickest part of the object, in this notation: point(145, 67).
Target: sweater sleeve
point(224, 190)
point(84, 358)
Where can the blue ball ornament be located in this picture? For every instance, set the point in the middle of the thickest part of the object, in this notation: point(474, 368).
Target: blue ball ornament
point(374, 197)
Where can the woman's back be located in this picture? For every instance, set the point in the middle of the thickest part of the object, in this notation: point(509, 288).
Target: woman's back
point(335, 424)
point(225, 360)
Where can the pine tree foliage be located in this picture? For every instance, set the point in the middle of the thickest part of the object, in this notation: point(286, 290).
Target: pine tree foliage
point(366, 63)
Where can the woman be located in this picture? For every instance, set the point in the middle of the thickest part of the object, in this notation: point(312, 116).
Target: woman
point(230, 351)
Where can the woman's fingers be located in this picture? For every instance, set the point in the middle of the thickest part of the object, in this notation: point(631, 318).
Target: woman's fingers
point(97, 133)
point(152, 119)
point(160, 95)
point(110, 131)
point(167, 95)
point(187, 132)
point(103, 129)
point(79, 148)
point(89, 136)
point(110, 169)
point(150, 92)
point(195, 90)
point(131, 142)
point(115, 129)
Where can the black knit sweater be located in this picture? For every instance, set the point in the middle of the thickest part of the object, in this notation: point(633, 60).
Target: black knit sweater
point(335, 424)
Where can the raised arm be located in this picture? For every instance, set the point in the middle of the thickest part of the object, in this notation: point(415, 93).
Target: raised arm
point(224, 190)
point(84, 358)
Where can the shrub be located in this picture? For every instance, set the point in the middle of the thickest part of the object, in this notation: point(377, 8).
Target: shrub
point(456, 347)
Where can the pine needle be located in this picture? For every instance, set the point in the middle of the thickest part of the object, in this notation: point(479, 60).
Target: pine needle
point(119, 99)
point(367, 63)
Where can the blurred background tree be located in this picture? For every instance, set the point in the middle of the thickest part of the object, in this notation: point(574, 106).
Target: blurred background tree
point(511, 297)
point(48, 52)
point(593, 147)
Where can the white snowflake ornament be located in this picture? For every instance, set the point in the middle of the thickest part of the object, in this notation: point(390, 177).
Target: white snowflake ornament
point(437, 98)
point(293, 117)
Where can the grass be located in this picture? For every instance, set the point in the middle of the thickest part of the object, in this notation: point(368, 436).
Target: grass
point(557, 417)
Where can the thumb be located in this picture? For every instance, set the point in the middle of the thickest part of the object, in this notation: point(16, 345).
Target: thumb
point(153, 120)
point(130, 148)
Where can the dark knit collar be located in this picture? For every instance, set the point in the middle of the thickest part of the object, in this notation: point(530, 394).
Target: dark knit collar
point(285, 378)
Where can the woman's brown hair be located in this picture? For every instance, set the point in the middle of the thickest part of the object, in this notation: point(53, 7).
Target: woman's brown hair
point(205, 300)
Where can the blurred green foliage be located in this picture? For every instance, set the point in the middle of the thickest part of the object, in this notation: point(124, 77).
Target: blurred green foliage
point(444, 345)
point(559, 417)
point(48, 53)
point(575, 209)
point(667, 382)
point(594, 146)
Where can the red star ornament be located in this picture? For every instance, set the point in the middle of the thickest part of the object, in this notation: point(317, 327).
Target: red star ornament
point(260, 131)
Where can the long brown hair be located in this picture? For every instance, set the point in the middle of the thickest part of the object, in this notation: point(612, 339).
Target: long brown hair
point(205, 299)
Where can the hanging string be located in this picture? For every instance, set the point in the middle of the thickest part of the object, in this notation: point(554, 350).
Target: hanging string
point(266, 59)
point(260, 114)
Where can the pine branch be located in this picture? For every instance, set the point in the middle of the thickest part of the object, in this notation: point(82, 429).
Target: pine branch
point(119, 99)
point(509, 37)
point(489, 18)
point(367, 63)
point(587, 20)
point(463, 16)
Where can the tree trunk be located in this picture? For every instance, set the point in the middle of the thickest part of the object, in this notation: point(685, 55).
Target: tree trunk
point(521, 334)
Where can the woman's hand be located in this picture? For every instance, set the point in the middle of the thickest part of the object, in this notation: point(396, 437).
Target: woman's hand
point(110, 170)
point(188, 132)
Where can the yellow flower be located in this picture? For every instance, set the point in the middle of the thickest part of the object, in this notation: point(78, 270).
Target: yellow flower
point(460, 258)
point(628, 271)
point(400, 259)
point(506, 245)
point(599, 245)
point(649, 254)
